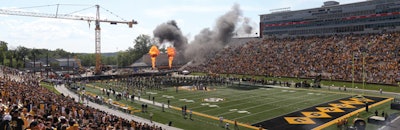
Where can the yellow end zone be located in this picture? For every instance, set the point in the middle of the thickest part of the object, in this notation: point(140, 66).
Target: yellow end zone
point(341, 105)
point(350, 114)
point(351, 102)
point(329, 109)
point(316, 114)
point(362, 99)
point(299, 120)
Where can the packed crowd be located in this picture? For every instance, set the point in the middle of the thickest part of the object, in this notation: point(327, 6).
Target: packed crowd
point(24, 104)
point(334, 57)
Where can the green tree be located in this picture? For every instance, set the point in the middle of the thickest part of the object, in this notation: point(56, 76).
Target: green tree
point(9, 57)
point(122, 60)
point(21, 54)
point(142, 44)
point(126, 58)
point(60, 53)
point(3, 50)
point(109, 60)
point(34, 54)
point(87, 59)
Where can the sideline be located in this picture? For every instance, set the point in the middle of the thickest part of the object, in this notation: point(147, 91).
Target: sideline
point(216, 118)
point(383, 127)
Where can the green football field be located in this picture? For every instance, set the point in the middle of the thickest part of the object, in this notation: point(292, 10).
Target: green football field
point(246, 104)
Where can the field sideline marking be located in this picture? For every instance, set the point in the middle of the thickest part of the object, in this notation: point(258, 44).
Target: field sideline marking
point(348, 92)
point(383, 127)
point(216, 118)
point(350, 114)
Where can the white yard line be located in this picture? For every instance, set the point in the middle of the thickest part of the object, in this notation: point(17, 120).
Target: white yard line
point(383, 127)
point(283, 106)
point(275, 101)
point(227, 101)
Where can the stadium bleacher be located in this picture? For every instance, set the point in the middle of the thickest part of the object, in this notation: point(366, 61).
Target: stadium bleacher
point(27, 105)
point(330, 56)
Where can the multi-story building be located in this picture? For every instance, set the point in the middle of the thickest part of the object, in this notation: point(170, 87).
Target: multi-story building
point(67, 62)
point(371, 16)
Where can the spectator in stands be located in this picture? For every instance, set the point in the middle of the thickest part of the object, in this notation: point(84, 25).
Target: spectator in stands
point(334, 57)
point(49, 110)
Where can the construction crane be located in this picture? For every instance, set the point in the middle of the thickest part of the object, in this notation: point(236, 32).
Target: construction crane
point(89, 19)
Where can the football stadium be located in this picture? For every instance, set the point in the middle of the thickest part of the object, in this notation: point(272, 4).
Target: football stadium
point(333, 67)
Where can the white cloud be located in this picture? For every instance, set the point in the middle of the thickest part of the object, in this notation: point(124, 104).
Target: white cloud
point(46, 29)
point(246, 8)
point(169, 11)
point(44, 33)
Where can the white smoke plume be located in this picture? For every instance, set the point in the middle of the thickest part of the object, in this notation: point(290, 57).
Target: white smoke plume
point(246, 25)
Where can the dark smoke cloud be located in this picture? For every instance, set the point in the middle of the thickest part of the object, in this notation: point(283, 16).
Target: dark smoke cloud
point(210, 41)
point(245, 26)
point(170, 32)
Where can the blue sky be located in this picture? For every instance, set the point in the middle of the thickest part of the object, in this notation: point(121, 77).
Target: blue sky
point(76, 36)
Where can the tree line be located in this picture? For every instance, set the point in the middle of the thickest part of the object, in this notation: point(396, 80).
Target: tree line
point(17, 57)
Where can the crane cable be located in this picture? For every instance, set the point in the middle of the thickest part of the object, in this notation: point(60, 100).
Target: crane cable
point(36, 6)
point(91, 6)
point(51, 5)
point(81, 10)
point(113, 14)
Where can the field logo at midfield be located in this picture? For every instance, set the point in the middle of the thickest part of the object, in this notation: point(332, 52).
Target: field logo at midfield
point(213, 99)
point(196, 88)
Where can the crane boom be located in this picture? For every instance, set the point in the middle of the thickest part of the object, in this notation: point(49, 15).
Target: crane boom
point(62, 16)
point(76, 17)
point(45, 15)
